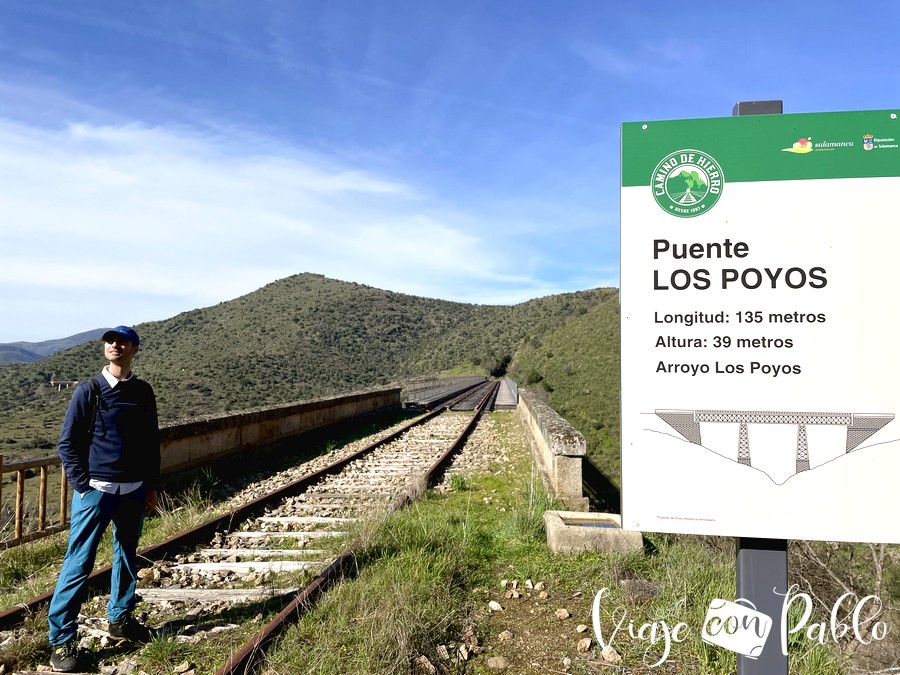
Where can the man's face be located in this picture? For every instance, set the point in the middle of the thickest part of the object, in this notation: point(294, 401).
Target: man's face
point(117, 348)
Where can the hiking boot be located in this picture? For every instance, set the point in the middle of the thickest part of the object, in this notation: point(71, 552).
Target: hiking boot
point(127, 628)
point(64, 657)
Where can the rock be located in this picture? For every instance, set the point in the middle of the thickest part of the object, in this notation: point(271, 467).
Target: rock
point(424, 666)
point(462, 653)
point(639, 590)
point(442, 652)
point(529, 584)
point(512, 594)
point(126, 667)
point(562, 614)
point(609, 654)
point(567, 662)
point(506, 635)
point(584, 645)
point(539, 586)
point(469, 638)
point(495, 606)
point(183, 667)
point(581, 628)
point(543, 595)
point(497, 663)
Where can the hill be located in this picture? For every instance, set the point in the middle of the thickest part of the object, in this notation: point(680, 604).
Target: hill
point(15, 353)
point(28, 352)
point(298, 338)
point(576, 365)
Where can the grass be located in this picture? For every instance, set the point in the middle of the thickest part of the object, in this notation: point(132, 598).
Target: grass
point(30, 570)
point(423, 581)
point(412, 588)
point(528, 515)
point(177, 511)
point(458, 483)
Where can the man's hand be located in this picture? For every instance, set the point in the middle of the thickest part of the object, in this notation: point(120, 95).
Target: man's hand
point(150, 502)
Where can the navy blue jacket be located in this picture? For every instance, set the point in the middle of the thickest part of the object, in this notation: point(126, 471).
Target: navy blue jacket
point(124, 447)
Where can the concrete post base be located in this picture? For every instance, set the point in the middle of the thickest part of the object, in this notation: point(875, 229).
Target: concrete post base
point(574, 531)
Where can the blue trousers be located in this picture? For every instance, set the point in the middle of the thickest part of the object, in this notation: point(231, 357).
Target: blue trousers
point(92, 513)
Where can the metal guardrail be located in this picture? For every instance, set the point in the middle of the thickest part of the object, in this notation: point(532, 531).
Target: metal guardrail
point(20, 536)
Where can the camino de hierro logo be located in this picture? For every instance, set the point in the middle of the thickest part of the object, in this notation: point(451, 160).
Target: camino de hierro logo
point(687, 183)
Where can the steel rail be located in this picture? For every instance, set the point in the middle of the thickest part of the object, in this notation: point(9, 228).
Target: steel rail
point(244, 660)
point(189, 539)
point(453, 397)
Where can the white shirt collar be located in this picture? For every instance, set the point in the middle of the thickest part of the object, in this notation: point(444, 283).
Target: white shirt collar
point(112, 380)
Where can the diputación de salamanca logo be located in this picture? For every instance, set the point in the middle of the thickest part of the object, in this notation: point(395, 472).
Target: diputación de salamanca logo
point(687, 183)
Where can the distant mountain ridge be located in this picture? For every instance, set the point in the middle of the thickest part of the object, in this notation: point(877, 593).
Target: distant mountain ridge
point(28, 352)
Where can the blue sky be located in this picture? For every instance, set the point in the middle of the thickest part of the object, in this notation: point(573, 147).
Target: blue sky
point(158, 156)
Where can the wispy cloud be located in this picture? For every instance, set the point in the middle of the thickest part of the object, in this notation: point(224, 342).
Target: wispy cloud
point(644, 59)
point(192, 218)
point(606, 59)
point(675, 51)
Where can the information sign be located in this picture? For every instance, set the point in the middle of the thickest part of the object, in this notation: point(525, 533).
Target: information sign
point(760, 306)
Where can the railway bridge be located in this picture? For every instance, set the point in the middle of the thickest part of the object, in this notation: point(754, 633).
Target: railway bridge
point(327, 499)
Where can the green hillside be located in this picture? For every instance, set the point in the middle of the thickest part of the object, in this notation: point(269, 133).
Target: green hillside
point(576, 365)
point(298, 338)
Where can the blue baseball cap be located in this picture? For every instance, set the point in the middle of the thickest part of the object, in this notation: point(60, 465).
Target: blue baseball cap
point(124, 331)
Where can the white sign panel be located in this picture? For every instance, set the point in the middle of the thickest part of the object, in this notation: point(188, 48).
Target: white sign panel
point(760, 304)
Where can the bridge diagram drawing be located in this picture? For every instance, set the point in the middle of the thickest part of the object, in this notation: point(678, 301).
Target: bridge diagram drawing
point(845, 433)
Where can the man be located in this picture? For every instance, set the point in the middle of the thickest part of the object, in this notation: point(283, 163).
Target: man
point(109, 447)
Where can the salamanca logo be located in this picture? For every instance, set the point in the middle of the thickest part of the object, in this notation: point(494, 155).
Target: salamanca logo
point(687, 183)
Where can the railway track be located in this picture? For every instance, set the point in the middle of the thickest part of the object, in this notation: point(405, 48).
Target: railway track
point(286, 547)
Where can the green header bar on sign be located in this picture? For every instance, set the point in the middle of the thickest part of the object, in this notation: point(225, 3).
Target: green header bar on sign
point(864, 144)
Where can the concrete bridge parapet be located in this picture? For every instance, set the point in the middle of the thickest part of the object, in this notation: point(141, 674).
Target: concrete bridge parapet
point(558, 448)
point(197, 441)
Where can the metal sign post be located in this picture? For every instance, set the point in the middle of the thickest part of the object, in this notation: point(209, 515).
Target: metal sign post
point(762, 573)
point(762, 564)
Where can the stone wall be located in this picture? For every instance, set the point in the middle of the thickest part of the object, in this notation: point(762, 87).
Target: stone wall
point(558, 448)
point(198, 441)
